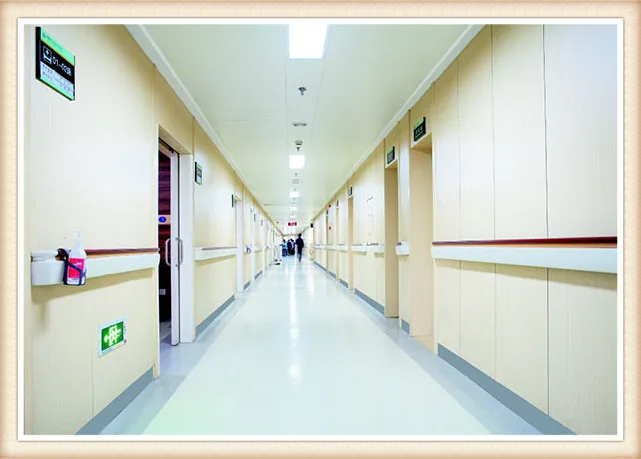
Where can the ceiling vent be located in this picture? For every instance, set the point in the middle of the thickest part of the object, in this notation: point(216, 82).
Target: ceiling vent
point(299, 124)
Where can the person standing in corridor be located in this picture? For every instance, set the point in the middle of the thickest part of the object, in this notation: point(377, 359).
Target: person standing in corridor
point(299, 246)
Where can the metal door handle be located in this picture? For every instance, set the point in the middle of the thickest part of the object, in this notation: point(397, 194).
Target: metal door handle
point(180, 251)
point(167, 252)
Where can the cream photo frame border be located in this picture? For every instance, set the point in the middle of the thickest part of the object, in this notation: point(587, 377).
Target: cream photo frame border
point(9, 292)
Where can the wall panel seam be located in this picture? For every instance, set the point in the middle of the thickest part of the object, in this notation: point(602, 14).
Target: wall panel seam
point(545, 141)
point(493, 131)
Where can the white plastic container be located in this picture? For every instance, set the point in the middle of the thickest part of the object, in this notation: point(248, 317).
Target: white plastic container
point(77, 257)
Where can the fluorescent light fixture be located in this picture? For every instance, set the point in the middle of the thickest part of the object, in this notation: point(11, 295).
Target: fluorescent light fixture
point(293, 217)
point(296, 161)
point(307, 40)
point(294, 194)
point(293, 208)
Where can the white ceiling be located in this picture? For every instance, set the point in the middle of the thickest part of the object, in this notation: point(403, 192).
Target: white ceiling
point(245, 85)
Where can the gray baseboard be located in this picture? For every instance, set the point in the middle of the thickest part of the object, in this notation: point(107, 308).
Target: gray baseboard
point(205, 323)
point(258, 275)
point(319, 265)
point(528, 412)
point(379, 307)
point(246, 285)
point(344, 283)
point(109, 413)
point(405, 326)
point(331, 274)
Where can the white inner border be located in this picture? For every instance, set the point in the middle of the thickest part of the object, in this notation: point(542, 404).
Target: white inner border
point(475, 26)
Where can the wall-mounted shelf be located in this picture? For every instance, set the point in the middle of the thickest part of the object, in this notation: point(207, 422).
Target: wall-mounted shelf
point(209, 253)
point(47, 270)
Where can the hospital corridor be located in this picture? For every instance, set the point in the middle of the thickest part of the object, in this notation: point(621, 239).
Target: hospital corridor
point(317, 228)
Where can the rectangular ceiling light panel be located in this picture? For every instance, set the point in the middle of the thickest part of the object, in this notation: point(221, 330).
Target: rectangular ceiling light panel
point(296, 161)
point(307, 40)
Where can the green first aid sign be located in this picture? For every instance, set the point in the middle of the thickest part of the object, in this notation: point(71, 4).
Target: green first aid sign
point(112, 336)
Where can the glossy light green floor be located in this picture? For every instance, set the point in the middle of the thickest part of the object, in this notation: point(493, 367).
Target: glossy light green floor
point(299, 355)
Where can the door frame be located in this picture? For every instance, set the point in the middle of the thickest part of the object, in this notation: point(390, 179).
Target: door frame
point(350, 241)
point(182, 222)
point(239, 243)
point(252, 245)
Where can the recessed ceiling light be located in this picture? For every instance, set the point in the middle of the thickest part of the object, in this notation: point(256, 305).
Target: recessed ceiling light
point(293, 208)
point(294, 194)
point(296, 161)
point(307, 40)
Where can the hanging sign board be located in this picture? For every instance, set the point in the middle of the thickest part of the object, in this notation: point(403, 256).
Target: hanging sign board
point(291, 224)
point(112, 336)
point(199, 174)
point(390, 156)
point(419, 130)
point(55, 66)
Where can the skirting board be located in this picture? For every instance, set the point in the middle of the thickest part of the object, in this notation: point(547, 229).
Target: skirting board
point(331, 274)
point(320, 266)
point(597, 260)
point(405, 326)
point(205, 323)
point(246, 285)
point(98, 423)
point(344, 283)
point(531, 414)
point(258, 275)
point(379, 307)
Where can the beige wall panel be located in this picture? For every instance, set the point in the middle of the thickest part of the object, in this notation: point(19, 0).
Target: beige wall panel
point(361, 274)
point(522, 332)
point(62, 393)
point(172, 114)
point(476, 148)
point(447, 290)
point(214, 217)
point(103, 140)
point(247, 276)
point(404, 212)
point(379, 287)
point(61, 388)
point(343, 266)
point(519, 131)
point(583, 351)
point(581, 116)
point(404, 289)
point(214, 284)
point(422, 265)
point(446, 156)
point(477, 316)
point(115, 371)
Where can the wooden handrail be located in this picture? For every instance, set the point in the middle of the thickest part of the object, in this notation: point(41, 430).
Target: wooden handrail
point(603, 242)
